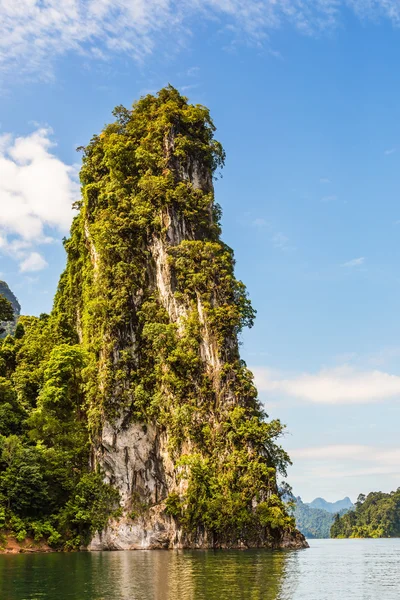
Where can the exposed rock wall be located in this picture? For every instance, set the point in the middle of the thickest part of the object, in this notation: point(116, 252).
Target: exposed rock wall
point(134, 456)
point(8, 294)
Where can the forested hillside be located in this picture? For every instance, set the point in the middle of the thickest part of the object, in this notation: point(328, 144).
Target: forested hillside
point(316, 522)
point(46, 487)
point(376, 515)
point(312, 522)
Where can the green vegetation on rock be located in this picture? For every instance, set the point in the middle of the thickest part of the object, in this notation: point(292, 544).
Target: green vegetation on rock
point(113, 347)
point(9, 310)
point(375, 516)
point(46, 489)
point(6, 312)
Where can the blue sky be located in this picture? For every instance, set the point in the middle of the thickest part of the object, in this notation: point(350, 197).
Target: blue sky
point(305, 96)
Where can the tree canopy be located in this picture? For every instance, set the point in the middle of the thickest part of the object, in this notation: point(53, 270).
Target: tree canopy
point(376, 515)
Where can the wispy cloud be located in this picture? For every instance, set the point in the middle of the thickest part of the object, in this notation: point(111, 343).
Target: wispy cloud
point(330, 198)
point(387, 357)
point(343, 460)
point(324, 180)
point(281, 241)
point(259, 222)
point(339, 385)
point(354, 262)
point(390, 151)
point(36, 194)
point(278, 239)
point(33, 262)
point(33, 33)
point(193, 72)
point(333, 452)
point(187, 88)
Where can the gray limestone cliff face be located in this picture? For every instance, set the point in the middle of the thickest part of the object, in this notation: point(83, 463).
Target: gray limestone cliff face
point(5, 291)
point(134, 456)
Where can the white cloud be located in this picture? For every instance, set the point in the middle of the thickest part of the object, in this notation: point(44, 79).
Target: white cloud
point(344, 470)
point(390, 151)
point(355, 262)
point(33, 262)
point(333, 452)
point(347, 460)
point(340, 385)
point(324, 180)
point(33, 33)
point(36, 193)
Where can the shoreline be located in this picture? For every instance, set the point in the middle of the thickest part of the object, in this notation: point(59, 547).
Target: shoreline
point(11, 545)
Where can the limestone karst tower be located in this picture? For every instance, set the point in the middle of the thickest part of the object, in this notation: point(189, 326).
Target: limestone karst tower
point(150, 292)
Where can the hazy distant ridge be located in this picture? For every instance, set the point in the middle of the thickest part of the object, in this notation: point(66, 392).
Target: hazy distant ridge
point(315, 519)
point(331, 507)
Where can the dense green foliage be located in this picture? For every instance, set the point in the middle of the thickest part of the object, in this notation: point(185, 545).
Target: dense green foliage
point(6, 312)
point(376, 515)
point(46, 489)
point(111, 348)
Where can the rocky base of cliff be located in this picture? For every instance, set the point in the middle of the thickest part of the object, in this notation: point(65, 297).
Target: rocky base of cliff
point(156, 531)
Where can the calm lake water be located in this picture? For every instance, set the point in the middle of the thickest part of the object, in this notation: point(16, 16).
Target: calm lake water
point(329, 570)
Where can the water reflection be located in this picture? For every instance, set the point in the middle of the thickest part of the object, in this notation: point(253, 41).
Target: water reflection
point(144, 575)
point(329, 570)
point(161, 575)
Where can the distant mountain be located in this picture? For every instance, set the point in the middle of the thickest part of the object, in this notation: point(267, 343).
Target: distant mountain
point(316, 522)
point(7, 293)
point(312, 522)
point(331, 507)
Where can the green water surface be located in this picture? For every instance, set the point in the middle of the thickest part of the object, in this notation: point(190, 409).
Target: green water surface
point(329, 570)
